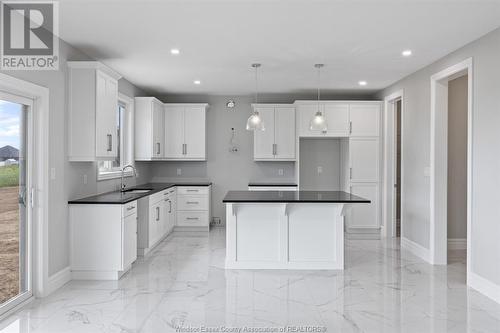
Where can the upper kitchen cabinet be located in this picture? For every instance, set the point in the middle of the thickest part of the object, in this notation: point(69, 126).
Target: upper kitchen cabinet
point(277, 141)
point(365, 118)
point(92, 103)
point(185, 132)
point(336, 114)
point(149, 129)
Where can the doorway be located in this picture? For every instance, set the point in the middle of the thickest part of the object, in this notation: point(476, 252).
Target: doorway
point(450, 160)
point(15, 201)
point(397, 166)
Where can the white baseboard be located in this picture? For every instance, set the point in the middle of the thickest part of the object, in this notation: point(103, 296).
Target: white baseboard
point(484, 286)
point(416, 249)
point(58, 280)
point(457, 244)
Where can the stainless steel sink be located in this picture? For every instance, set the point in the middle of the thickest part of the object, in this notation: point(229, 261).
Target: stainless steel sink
point(136, 191)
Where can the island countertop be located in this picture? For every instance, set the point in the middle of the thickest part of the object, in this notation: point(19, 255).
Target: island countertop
point(292, 196)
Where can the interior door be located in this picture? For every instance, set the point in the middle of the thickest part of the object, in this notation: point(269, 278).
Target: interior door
point(194, 132)
point(174, 132)
point(285, 133)
point(15, 200)
point(264, 140)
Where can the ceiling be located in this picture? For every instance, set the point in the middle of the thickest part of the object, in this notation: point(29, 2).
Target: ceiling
point(218, 40)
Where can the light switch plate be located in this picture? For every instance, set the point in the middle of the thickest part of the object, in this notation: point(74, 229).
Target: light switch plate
point(320, 170)
point(280, 172)
point(179, 171)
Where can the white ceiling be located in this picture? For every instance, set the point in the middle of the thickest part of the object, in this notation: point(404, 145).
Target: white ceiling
point(218, 40)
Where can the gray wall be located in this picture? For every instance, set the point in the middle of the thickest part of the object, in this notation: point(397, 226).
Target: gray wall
point(66, 185)
point(485, 158)
point(324, 153)
point(457, 158)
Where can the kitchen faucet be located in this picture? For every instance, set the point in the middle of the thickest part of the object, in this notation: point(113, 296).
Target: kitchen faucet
point(123, 186)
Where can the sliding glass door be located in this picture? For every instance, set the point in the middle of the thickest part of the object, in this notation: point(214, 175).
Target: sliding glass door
point(15, 201)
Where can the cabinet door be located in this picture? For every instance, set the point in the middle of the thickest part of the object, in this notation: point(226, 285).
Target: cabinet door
point(365, 119)
point(158, 129)
point(264, 140)
point(364, 159)
point(305, 114)
point(337, 117)
point(194, 133)
point(129, 240)
point(106, 116)
point(174, 132)
point(155, 215)
point(364, 215)
point(284, 133)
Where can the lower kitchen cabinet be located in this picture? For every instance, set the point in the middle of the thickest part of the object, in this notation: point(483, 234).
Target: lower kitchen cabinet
point(364, 218)
point(103, 240)
point(193, 208)
point(155, 219)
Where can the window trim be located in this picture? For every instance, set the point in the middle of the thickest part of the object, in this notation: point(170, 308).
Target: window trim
point(126, 144)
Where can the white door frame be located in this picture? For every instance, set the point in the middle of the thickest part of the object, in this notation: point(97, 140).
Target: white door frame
point(439, 160)
point(40, 177)
point(389, 174)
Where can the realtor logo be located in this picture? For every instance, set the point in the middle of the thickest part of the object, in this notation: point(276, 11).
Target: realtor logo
point(29, 36)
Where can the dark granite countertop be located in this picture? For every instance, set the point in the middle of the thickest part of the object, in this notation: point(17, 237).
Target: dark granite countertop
point(292, 196)
point(120, 198)
point(272, 184)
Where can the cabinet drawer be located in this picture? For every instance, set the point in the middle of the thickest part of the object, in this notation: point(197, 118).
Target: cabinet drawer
point(130, 208)
point(157, 197)
point(198, 219)
point(192, 202)
point(192, 190)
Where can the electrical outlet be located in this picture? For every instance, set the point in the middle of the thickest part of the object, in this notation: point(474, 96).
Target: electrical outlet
point(320, 170)
point(280, 172)
point(179, 171)
point(216, 221)
point(85, 179)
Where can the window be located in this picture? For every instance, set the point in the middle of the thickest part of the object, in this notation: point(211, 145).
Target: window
point(124, 122)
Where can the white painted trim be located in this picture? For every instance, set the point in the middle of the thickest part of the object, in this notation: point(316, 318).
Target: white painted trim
point(59, 279)
point(416, 249)
point(41, 129)
point(484, 286)
point(95, 65)
point(389, 161)
point(438, 162)
point(457, 243)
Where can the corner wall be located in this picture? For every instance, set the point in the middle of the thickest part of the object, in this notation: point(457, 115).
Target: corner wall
point(485, 231)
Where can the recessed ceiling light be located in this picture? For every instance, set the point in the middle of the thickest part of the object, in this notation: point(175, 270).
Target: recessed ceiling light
point(362, 83)
point(197, 82)
point(406, 53)
point(175, 51)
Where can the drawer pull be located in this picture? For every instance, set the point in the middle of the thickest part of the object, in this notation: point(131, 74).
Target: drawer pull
point(192, 218)
point(192, 202)
point(130, 208)
point(192, 190)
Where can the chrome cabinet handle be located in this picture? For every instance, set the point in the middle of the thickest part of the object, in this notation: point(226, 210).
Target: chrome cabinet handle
point(192, 190)
point(130, 208)
point(192, 218)
point(192, 202)
point(350, 127)
point(157, 213)
point(110, 142)
point(158, 148)
point(170, 208)
point(350, 173)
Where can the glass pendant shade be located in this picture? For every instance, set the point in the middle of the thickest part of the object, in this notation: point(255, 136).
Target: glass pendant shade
point(318, 122)
point(255, 123)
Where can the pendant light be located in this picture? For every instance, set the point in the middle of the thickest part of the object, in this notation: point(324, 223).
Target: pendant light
point(318, 122)
point(255, 122)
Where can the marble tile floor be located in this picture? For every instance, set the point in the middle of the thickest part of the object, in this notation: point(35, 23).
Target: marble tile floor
point(183, 284)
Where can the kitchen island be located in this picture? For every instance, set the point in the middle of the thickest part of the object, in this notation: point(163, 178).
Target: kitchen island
point(286, 229)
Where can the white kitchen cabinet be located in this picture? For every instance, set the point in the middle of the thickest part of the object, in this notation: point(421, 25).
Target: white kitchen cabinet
point(103, 240)
point(170, 210)
point(185, 132)
point(149, 129)
point(277, 141)
point(364, 159)
point(365, 119)
point(193, 208)
point(336, 114)
point(92, 111)
point(364, 216)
